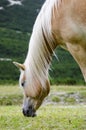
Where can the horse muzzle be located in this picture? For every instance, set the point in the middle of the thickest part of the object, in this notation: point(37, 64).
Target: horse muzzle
point(30, 112)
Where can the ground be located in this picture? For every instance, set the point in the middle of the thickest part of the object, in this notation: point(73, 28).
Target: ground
point(52, 115)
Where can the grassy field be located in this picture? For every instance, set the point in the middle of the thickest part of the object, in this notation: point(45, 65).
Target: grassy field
point(49, 117)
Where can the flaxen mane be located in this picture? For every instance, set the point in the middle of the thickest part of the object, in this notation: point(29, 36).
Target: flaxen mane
point(40, 52)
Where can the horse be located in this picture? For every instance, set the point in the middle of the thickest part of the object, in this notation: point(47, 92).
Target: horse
point(59, 23)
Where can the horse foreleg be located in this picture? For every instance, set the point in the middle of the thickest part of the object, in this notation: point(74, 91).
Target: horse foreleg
point(78, 51)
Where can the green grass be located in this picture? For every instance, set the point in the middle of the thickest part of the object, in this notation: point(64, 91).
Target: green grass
point(10, 90)
point(70, 100)
point(15, 89)
point(55, 99)
point(66, 88)
point(10, 95)
point(49, 118)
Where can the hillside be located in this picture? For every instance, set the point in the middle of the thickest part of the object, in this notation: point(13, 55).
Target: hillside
point(19, 17)
point(16, 23)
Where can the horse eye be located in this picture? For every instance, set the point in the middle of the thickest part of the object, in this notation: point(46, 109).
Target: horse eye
point(23, 83)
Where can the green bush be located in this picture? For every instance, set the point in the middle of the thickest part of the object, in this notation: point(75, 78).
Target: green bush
point(11, 100)
point(70, 100)
point(55, 99)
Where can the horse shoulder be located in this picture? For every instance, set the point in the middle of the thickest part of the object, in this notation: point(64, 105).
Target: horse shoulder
point(69, 29)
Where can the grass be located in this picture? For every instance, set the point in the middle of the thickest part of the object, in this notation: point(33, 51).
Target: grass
point(66, 88)
point(55, 99)
point(70, 100)
point(10, 95)
point(10, 90)
point(49, 117)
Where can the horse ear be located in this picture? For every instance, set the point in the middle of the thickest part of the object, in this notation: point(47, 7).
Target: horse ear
point(20, 66)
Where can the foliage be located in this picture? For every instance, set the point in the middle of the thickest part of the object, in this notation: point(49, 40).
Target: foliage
point(70, 100)
point(13, 46)
point(19, 17)
point(55, 99)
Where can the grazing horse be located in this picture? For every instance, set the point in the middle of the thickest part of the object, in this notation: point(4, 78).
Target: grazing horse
point(59, 23)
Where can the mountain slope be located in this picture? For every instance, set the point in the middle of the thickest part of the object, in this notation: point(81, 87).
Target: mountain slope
point(19, 17)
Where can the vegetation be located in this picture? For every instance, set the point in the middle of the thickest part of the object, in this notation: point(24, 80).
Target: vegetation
point(61, 117)
point(13, 47)
point(19, 17)
point(49, 117)
point(55, 99)
point(61, 95)
point(10, 95)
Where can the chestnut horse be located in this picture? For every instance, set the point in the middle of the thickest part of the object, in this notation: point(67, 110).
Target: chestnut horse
point(59, 23)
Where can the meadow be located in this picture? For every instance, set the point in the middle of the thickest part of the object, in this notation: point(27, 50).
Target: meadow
point(52, 115)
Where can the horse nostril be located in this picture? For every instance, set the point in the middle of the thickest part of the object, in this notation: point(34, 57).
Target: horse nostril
point(29, 112)
point(30, 108)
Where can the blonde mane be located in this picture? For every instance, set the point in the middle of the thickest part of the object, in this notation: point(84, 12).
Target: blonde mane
point(41, 46)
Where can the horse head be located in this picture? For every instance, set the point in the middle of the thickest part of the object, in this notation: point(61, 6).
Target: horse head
point(33, 95)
